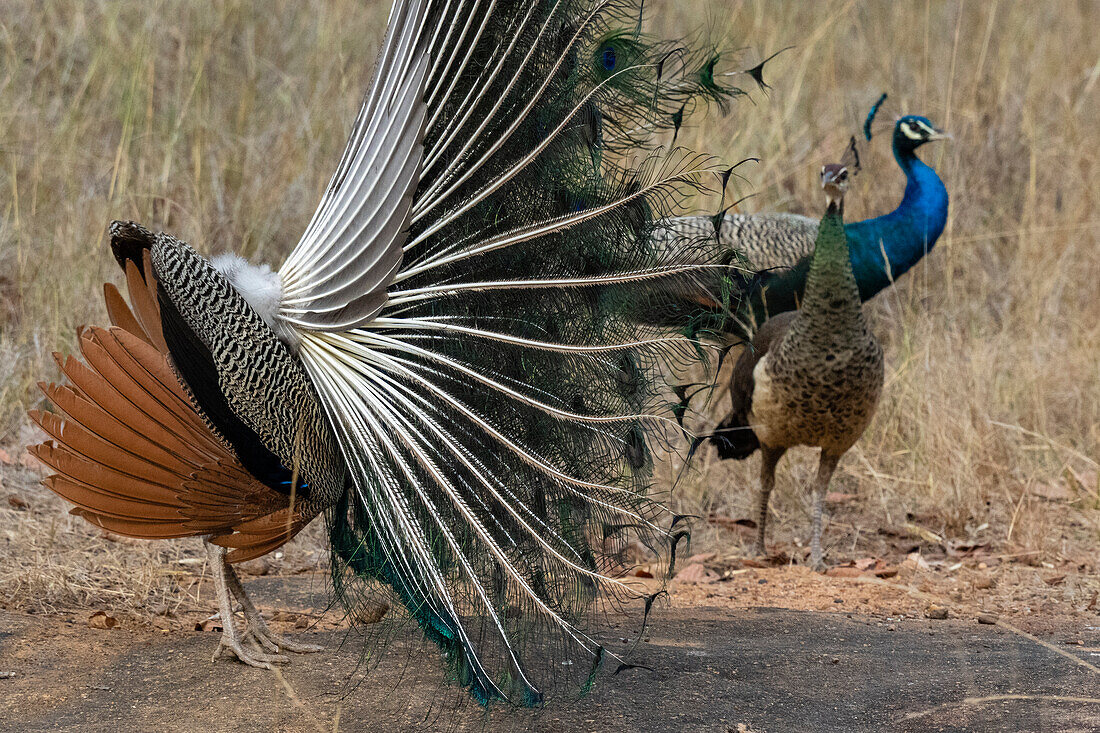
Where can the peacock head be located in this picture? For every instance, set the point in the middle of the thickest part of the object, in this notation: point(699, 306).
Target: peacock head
point(912, 131)
point(834, 179)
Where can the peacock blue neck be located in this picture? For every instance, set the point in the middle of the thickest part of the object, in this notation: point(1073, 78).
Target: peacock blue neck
point(905, 234)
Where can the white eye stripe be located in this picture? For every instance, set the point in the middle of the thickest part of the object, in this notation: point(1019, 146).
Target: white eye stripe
point(908, 132)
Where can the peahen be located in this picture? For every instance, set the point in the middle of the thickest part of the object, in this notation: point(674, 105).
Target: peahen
point(446, 365)
point(810, 377)
point(781, 245)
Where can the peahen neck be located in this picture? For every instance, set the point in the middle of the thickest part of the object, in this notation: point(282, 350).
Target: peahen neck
point(831, 303)
point(905, 234)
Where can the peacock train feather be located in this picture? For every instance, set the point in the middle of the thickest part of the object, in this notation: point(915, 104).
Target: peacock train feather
point(449, 364)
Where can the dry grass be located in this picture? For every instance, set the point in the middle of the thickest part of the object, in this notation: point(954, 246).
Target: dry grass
point(221, 122)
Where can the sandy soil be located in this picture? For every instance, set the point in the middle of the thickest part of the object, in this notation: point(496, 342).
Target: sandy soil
point(902, 632)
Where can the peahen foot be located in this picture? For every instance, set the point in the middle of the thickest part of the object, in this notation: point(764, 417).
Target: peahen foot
point(267, 643)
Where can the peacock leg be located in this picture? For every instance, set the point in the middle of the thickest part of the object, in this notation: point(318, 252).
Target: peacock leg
point(258, 630)
point(232, 638)
point(825, 469)
point(768, 460)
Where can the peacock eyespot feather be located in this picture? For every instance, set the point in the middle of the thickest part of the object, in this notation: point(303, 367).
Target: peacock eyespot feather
point(608, 58)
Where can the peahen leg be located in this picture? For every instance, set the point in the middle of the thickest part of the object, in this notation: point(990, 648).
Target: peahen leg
point(232, 638)
point(825, 469)
point(258, 630)
point(769, 458)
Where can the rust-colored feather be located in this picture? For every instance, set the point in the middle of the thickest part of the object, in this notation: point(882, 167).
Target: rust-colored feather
point(120, 314)
point(133, 454)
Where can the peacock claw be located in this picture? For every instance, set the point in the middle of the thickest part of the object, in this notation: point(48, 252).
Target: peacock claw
point(232, 646)
point(261, 634)
point(267, 643)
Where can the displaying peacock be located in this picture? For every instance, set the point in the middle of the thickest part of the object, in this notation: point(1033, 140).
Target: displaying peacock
point(781, 245)
point(812, 376)
point(447, 365)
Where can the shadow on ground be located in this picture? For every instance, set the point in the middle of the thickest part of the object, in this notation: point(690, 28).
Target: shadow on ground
point(761, 670)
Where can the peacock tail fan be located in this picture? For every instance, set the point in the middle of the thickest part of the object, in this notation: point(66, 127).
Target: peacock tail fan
point(497, 416)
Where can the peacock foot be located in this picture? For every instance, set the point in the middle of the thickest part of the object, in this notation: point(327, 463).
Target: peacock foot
point(817, 562)
point(267, 644)
point(230, 643)
point(260, 633)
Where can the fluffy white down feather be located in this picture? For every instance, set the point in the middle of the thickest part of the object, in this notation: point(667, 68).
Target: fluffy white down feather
point(260, 286)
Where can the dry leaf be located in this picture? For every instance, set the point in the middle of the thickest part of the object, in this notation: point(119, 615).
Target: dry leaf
point(5, 457)
point(100, 620)
point(26, 460)
point(18, 502)
point(1051, 490)
point(916, 560)
point(1054, 579)
point(844, 572)
point(696, 573)
point(865, 562)
point(701, 557)
point(641, 573)
point(925, 534)
point(836, 497)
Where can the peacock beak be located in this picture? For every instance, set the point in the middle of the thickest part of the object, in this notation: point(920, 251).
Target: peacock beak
point(938, 134)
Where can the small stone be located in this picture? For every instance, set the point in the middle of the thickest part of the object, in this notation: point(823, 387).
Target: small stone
point(762, 581)
point(892, 627)
point(835, 660)
point(100, 620)
point(372, 613)
point(838, 600)
point(987, 619)
point(937, 613)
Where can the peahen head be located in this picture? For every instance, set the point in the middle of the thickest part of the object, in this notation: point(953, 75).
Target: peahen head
point(912, 131)
point(834, 180)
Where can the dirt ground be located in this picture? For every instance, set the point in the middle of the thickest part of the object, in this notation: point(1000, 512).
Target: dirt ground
point(711, 667)
point(904, 632)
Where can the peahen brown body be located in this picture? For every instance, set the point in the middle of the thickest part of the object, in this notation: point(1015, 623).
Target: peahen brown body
point(811, 377)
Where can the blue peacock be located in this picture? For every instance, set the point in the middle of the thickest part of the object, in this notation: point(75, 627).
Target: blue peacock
point(781, 246)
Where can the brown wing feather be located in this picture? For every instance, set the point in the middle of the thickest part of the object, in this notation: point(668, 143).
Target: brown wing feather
point(741, 380)
point(735, 438)
point(130, 451)
point(120, 313)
